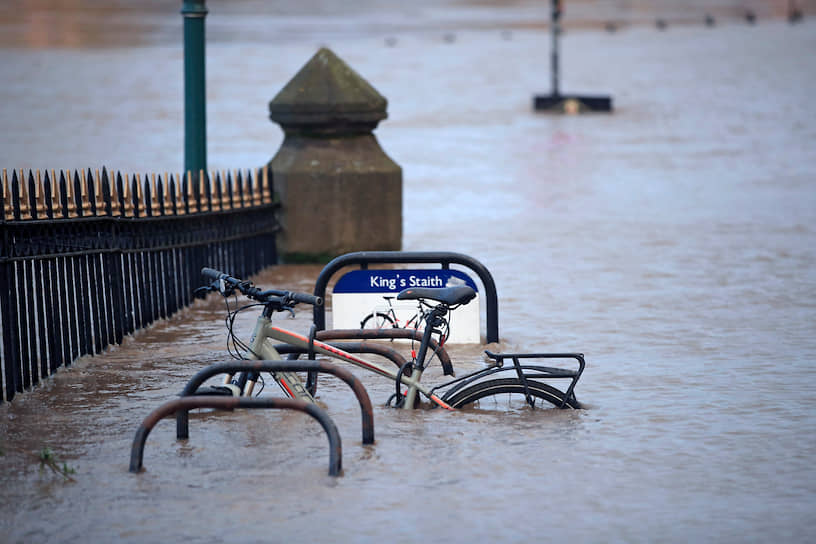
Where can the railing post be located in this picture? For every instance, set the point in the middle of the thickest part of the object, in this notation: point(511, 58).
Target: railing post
point(195, 111)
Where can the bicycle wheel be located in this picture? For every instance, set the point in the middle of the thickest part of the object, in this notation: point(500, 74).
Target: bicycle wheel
point(511, 386)
point(377, 320)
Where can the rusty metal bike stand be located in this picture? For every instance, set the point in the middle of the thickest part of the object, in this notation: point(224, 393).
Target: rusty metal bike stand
point(352, 347)
point(293, 352)
point(388, 334)
point(230, 403)
point(367, 416)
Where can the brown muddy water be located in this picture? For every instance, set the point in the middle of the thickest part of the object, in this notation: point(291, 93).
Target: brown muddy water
point(673, 242)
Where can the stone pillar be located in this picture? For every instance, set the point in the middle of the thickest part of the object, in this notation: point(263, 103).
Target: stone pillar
point(339, 191)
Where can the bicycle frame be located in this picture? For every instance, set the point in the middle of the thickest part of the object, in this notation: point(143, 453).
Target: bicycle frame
point(294, 386)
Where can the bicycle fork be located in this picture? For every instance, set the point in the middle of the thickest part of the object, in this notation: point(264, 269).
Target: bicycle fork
point(258, 350)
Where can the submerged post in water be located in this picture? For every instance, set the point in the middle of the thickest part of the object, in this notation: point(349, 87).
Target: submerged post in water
point(555, 30)
point(555, 102)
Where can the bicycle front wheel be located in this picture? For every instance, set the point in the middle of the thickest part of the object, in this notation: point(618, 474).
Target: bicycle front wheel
point(377, 320)
point(511, 388)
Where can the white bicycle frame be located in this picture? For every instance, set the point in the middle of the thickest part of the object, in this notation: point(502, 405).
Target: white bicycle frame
point(390, 309)
point(293, 385)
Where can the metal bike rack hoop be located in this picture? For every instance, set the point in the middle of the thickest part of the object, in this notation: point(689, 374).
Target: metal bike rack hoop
point(230, 403)
point(444, 258)
point(367, 416)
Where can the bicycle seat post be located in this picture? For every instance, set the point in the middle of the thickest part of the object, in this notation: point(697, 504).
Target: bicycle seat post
point(432, 320)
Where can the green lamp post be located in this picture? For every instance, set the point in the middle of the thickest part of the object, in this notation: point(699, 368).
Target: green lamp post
point(195, 107)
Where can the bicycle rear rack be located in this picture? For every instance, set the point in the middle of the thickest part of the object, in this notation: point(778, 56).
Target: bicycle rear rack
point(367, 414)
point(230, 403)
point(543, 371)
point(525, 372)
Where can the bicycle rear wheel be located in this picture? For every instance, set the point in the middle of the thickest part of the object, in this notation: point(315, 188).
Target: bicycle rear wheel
point(513, 387)
point(377, 320)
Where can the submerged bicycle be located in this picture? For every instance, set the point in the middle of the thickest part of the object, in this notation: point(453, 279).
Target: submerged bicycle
point(521, 379)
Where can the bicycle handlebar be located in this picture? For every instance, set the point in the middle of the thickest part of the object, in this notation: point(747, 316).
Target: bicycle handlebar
point(256, 294)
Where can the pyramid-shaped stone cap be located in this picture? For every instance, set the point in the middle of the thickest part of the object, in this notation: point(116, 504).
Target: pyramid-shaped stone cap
point(327, 95)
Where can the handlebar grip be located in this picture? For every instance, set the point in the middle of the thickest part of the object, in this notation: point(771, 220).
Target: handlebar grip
point(225, 280)
point(307, 299)
point(212, 274)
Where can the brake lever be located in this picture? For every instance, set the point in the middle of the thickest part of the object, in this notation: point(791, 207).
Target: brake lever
point(202, 291)
point(225, 289)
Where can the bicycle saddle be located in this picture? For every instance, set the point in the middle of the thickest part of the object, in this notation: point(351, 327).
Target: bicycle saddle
point(452, 296)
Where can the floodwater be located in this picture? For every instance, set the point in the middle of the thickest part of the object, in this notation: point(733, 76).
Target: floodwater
point(673, 242)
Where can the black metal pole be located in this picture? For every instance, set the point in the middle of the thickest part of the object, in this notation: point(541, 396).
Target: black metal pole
point(555, 31)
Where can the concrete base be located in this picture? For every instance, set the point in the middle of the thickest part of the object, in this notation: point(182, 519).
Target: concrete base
point(561, 103)
point(338, 195)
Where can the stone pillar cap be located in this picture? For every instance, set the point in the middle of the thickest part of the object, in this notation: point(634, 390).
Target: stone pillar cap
point(327, 95)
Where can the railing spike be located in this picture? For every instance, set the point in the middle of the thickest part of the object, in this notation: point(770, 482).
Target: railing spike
point(4, 195)
point(55, 197)
point(206, 191)
point(155, 203)
point(76, 195)
point(147, 196)
point(239, 182)
point(48, 196)
point(158, 194)
point(217, 193)
point(200, 196)
point(100, 199)
point(135, 195)
point(107, 192)
point(267, 187)
point(63, 195)
point(140, 202)
point(184, 192)
point(31, 196)
point(86, 188)
point(23, 191)
point(227, 194)
point(255, 188)
point(247, 191)
point(173, 190)
point(121, 191)
point(39, 195)
point(128, 196)
point(16, 213)
point(166, 205)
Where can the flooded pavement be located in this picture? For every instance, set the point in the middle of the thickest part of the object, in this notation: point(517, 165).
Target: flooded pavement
point(673, 242)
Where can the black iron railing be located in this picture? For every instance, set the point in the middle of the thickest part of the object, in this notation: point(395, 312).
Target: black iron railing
point(88, 257)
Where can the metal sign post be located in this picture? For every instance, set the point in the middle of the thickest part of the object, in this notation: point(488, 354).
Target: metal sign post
point(555, 102)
